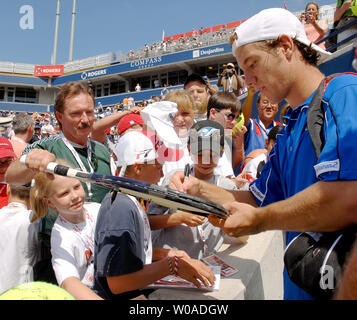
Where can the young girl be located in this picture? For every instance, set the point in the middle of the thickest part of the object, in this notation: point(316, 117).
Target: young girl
point(72, 237)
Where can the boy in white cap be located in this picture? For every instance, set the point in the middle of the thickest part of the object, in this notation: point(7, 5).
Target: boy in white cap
point(298, 190)
point(123, 250)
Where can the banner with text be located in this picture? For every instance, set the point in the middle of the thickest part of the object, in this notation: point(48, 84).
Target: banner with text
point(48, 71)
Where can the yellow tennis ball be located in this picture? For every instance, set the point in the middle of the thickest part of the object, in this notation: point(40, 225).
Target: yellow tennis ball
point(354, 7)
point(239, 124)
point(36, 291)
point(240, 120)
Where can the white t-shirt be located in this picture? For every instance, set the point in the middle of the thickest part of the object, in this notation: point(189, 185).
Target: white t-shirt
point(224, 167)
point(19, 249)
point(72, 247)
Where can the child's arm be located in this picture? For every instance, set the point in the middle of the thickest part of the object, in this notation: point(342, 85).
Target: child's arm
point(190, 269)
point(162, 253)
point(79, 290)
point(160, 221)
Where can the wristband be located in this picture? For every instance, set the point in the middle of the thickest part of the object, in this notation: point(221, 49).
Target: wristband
point(170, 265)
point(175, 266)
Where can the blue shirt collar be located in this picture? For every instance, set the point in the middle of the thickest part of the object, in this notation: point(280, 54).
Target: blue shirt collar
point(294, 113)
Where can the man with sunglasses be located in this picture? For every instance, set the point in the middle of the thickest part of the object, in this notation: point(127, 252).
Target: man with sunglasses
point(225, 108)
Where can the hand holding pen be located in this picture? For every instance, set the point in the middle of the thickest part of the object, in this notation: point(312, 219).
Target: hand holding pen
point(187, 172)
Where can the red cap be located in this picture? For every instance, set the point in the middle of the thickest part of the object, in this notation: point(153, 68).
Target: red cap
point(128, 121)
point(6, 149)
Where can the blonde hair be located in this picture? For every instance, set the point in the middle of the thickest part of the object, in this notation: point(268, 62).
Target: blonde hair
point(40, 190)
point(183, 99)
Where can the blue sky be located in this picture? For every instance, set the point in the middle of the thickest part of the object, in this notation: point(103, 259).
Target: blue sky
point(112, 25)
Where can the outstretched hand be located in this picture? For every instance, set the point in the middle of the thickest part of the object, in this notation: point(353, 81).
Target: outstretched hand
point(243, 219)
point(192, 220)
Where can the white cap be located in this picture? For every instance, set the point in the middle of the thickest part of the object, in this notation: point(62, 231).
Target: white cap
point(159, 116)
point(270, 24)
point(134, 147)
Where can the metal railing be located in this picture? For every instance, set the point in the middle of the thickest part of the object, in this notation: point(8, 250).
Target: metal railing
point(19, 68)
point(334, 32)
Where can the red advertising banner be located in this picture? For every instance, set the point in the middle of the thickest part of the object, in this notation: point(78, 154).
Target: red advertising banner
point(48, 71)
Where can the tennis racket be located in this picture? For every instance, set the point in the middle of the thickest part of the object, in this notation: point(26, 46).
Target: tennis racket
point(163, 196)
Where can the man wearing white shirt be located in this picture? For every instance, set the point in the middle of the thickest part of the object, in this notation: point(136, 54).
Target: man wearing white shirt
point(23, 127)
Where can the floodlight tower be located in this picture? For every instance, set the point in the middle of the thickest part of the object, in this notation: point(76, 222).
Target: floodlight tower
point(54, 56)
point(72, 31)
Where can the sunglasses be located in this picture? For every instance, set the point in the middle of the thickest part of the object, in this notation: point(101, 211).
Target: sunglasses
point(230, 116)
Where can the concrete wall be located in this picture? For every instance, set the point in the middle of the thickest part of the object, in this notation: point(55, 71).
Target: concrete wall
point(260, 272)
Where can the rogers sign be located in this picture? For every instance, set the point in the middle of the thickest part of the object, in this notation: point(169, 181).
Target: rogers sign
point(48, 71)
point(92, 74)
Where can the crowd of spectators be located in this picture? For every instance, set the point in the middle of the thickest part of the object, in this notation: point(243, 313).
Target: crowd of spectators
point(195, 39)
point(315, 29)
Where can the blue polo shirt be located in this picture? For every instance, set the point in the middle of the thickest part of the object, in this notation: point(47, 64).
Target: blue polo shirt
point(256, 134)
point(292, 164)
point(254, 138)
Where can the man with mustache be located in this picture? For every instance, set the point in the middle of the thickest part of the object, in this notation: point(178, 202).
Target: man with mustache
point(74, 111)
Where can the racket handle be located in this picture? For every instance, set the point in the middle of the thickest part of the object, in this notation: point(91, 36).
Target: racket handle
point(65, 171)
point(61, 170)
point(51, 167)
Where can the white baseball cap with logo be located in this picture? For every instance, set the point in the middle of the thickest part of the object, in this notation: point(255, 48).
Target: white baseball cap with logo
point(270, 24)
point(134, 147)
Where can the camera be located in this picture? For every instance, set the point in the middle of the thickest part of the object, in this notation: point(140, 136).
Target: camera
point(307, 14)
